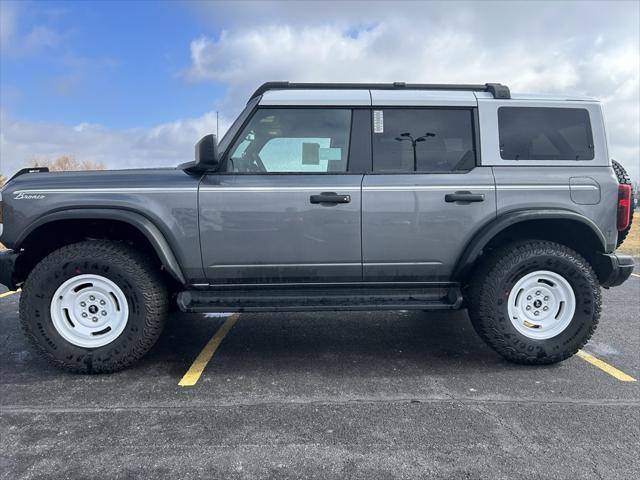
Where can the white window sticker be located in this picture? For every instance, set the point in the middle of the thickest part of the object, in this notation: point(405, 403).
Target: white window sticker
point(378, 121)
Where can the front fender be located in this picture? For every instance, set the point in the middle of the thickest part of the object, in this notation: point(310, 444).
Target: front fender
point(136, 220)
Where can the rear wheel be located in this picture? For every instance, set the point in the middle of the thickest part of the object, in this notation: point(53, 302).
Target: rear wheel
point(535, 302)
point(93, 307)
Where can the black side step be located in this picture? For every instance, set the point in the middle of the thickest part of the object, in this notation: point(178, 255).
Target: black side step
point(291, 299)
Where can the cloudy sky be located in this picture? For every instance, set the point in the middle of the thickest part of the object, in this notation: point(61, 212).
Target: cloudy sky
point(137, 83)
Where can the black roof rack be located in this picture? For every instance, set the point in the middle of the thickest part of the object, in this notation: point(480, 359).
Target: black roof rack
point(496, 89)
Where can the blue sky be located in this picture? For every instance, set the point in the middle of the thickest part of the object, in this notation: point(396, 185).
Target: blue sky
point(115, 63)
point(136, 83)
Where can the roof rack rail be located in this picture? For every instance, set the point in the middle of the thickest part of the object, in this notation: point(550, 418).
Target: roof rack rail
point(496, 89)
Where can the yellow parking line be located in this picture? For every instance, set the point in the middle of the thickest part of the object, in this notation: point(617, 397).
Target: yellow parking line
point(197, 367)
point(635, 275)
point(6, 294)
point(604, 366)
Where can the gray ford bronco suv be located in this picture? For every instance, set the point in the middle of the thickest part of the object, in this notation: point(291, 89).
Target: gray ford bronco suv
point(334, 197)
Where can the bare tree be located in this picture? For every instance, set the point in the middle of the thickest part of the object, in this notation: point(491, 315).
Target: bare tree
point(66, 163)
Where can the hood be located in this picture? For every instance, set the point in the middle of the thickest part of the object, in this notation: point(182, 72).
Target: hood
point(156, 177)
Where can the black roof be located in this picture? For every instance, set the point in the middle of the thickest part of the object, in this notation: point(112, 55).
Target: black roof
point(496, 89)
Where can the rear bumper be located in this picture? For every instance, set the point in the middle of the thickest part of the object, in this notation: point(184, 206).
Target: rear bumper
point(8, 259)
point(614, 269)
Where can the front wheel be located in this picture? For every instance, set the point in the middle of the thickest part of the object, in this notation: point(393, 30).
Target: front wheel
point(535, 302)
point(93, 307)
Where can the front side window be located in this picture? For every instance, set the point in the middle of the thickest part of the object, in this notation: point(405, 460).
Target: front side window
point(423, 140)
point(540, 133)
point(293, 140)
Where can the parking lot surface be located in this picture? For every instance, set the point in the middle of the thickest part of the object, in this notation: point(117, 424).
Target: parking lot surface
point(328, 395)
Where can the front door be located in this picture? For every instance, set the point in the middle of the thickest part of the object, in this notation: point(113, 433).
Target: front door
point(284, 209)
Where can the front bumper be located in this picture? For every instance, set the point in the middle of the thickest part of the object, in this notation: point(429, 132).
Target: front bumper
point(614, 269)
point(8, 259)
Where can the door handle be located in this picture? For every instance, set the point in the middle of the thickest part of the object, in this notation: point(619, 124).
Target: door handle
point(330, 197)
point(464, 197)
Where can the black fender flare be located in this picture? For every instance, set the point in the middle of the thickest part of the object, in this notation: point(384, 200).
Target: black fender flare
point(136, 220)
point(480, 240)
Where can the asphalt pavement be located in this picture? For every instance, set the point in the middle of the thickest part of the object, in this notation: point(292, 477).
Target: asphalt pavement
point(371, 395)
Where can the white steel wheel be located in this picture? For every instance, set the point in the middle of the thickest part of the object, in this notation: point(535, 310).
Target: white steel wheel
point(541, 305)
point(89, 311)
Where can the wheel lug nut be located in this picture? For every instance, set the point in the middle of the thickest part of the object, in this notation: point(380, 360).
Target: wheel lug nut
point(92, 298)
point(104, 313)
point(102, 302)
point(537, 293)
point(545, 308)
point(536, 313)
point(546, 299)
point(95, 319)
point(528, 307)
point(84, 314)
point(528, 297)
point(83, 304)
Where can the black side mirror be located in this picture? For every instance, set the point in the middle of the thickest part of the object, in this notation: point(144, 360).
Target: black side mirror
point(207, 153)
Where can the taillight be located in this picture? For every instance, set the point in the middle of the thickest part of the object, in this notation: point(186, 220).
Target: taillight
point(624, 206)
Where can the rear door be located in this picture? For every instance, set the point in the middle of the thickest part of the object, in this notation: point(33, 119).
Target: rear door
point(286, 208)
point(426, 196)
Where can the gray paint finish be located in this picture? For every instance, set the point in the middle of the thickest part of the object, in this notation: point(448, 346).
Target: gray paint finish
point(549, 188)
point(410, 233)
point(264, 229)
point(422, 98)
point(166, 197)
point(316, 98)
point(584, 190)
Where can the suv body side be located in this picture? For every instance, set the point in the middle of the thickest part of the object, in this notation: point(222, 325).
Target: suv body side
point(222, 228)
point(398, 227)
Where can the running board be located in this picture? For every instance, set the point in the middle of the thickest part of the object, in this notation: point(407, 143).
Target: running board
point(292, 299)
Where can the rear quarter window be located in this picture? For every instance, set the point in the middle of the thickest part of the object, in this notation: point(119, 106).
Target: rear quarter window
point(542, 133)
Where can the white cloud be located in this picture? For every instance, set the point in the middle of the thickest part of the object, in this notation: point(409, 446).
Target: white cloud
point(164, 145)
point(40, 38)
point(7, 23)
point(529, 56)
point(14, 40)
point(579, 47)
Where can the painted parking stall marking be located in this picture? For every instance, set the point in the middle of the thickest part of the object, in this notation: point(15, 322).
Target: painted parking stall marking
point(199, 364)
point(6, 294)
point(605, 367)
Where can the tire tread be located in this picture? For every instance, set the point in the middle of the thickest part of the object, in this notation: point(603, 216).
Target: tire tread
point(486, 281)
point(141, 272)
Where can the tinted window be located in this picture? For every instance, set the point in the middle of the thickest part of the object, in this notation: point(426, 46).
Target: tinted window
point(534, 133)
point(293, 140)
point(424, 140)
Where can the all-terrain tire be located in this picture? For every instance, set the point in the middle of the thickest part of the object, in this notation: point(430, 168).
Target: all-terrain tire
point(498, 274)
point(623, 179)
point(136, 277)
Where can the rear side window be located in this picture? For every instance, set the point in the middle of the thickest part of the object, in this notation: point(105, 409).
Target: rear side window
point(423, 140)
point(537, 133)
